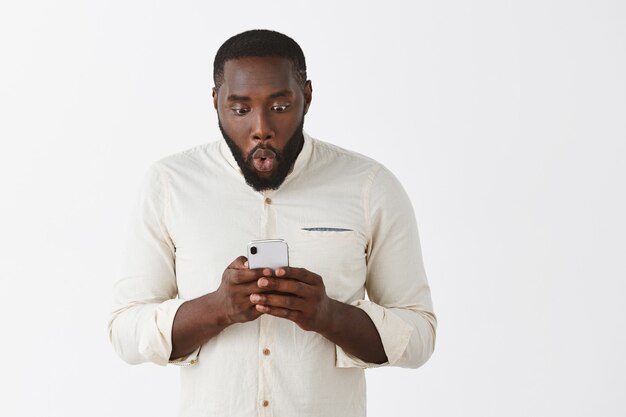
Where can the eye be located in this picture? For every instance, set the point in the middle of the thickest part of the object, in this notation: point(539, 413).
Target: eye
point(240, 111)
point(280, 108)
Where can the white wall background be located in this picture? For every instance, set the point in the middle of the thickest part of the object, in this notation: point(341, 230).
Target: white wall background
point(505, 121)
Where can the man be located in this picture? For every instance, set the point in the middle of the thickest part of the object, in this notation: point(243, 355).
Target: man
point(289, 342)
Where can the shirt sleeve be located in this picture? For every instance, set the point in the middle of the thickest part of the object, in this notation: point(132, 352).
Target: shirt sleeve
point(399, 304)
point(145, 298)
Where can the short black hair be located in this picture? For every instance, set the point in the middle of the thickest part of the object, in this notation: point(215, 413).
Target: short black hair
point(260, 43)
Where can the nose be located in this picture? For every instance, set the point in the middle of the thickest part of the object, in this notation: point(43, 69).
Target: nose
point(262, 128)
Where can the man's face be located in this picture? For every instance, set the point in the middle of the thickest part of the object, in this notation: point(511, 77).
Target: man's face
point(261, 108)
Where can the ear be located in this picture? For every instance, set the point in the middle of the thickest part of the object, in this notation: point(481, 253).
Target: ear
point(214, 94)
point(308, 95)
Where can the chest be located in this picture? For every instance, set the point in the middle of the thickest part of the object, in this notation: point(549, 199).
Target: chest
point(326, 234)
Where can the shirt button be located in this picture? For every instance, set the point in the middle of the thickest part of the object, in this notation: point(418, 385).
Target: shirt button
point(265, 403)
point(266, 352)
point(268, 200)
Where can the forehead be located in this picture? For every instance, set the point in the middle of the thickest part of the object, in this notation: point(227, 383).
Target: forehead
point(250, 75)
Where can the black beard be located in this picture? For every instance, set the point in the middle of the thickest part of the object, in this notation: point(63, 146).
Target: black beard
point(285, 160)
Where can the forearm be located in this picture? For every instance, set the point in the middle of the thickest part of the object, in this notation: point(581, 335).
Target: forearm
point(352, 329)
point(196, 322)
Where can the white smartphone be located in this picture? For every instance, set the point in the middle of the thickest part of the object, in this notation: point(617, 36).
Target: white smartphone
point(268, 253)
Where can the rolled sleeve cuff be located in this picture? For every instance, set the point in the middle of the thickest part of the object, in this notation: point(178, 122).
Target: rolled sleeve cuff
point(156, 345)
point(190, 359)
point(394, 332)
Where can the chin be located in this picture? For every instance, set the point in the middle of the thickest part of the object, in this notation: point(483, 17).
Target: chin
point(265, 174)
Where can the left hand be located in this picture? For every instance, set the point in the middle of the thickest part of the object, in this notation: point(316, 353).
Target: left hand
point(297, 295)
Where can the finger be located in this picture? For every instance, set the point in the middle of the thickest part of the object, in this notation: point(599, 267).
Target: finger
point(240, 263)
point(299, 274)
point(289, 302)
point(244, 276)
point(248, 288)
point(279, 312)
point(284, 285)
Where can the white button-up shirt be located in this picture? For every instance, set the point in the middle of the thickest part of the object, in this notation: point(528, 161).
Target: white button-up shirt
point(344, 217)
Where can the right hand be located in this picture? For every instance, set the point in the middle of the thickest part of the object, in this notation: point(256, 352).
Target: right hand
point(238, 283)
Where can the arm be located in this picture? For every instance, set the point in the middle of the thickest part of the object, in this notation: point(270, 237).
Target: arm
point(202, 318)
point(354, 331)
point(145, 297)
point(304, 301)
point(149, 323)
point(400, 302)
point(193, 327)
point(398, 325)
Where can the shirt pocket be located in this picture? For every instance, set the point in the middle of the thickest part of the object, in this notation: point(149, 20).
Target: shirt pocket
point(337, 255)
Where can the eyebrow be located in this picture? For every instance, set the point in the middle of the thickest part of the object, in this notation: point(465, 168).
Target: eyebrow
point(281, 93)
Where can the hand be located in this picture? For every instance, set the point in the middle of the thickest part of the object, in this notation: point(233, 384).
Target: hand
point(233, 294)
point(297, 295)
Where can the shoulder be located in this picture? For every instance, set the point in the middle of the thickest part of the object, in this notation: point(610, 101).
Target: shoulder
point(197, 161)
point(196, 156)
point(345, 160)
point(327, 149)
point(351, 162)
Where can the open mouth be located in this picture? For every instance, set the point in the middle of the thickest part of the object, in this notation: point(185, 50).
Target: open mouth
point(264, 160)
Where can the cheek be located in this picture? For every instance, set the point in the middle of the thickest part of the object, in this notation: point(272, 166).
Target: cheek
point(232, 125)
point(290, 123)
point(236, 129)
point(239, 137)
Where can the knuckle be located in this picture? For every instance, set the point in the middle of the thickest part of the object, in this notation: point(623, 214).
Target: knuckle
point(237, 262)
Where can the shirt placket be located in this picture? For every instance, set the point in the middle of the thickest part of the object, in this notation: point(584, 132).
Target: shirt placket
point(266, 331)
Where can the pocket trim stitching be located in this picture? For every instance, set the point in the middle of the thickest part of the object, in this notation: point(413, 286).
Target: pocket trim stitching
point(326, 229)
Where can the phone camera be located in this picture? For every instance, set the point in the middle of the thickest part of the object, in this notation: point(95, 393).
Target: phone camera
point(253, 250)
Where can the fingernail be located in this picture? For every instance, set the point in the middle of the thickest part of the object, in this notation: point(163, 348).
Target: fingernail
point(245, 264)
point(280, 272)
point(255, 298)
point(263, 282)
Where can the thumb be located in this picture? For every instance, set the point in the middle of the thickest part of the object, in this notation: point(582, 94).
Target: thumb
point(240, 263)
